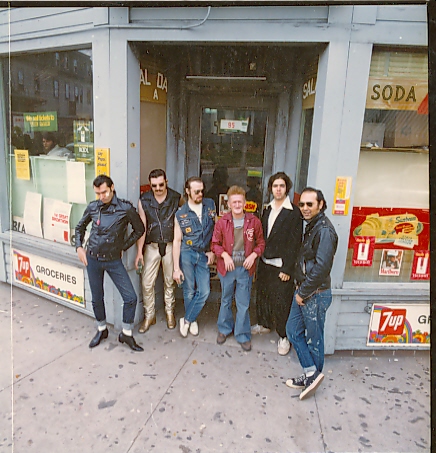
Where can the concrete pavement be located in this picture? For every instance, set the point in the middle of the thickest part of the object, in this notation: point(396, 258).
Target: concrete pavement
point(191, 395)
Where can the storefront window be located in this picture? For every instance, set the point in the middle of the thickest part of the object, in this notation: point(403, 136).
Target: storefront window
point(389, 235)
point(51, 152)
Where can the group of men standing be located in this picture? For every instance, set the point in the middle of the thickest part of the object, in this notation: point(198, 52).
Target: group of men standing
point(185, 237)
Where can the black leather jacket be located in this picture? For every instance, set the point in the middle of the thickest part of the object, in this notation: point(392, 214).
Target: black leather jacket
point(109, 225)
point(315, 259)
point(160, 217)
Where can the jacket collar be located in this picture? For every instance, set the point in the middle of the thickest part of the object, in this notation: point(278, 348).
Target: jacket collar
point(314, 221)
point(286, 204)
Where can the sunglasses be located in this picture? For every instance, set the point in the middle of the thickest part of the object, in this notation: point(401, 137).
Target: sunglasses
point(198, 191)
point(309, 204)
point(161, 184)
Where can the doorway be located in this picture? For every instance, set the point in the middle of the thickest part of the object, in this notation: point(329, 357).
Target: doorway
point(230, 142)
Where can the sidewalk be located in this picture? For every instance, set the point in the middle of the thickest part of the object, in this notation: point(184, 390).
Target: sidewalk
point(191, 395)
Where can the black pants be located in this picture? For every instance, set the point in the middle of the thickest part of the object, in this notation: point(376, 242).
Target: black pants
point(274, 298)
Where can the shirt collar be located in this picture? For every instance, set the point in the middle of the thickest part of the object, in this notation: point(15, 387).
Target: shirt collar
point(286, 204)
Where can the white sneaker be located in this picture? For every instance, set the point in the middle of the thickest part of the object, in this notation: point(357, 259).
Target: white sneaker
point(193, 328)
point(184, 327)
point(258, 329)
point(283, 346)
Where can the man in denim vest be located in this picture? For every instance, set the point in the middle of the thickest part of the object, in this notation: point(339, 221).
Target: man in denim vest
point(313, 296)
point(192, 256)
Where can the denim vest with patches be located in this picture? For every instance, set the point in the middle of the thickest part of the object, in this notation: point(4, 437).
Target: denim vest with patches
point(195, 235)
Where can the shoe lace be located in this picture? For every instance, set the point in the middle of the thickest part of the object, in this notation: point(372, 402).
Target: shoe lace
point(300, 379)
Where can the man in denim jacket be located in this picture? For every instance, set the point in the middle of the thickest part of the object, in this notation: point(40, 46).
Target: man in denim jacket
point(312, 298)
point(237, 242)
point(192, 256)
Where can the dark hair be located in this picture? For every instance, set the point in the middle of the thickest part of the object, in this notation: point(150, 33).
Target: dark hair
point(319, 196)
point(156, 173)
point(101, 179)
point(191, 180)
point(220, 174)
point(50, 137)
point(280, 175)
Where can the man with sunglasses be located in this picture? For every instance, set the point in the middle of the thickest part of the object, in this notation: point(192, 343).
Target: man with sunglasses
point(110, 217)
point(192, 255)
point(157, 209)
point(312, 298)
point(282, 229)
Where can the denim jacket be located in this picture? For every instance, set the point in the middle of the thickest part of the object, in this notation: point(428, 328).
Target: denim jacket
point(315, 259)
point(195, 235)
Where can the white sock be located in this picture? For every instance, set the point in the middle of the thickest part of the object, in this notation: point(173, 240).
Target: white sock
point(101, 328)
point(310, 373)
point(127, 332)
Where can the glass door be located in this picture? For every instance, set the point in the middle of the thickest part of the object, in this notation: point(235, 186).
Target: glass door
point(232, 148)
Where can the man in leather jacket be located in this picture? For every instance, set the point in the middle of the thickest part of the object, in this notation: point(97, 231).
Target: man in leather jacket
point(110, 217)
point(157, 209)
point(312, 298)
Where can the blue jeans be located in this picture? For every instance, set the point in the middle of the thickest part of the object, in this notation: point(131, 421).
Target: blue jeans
point(196, 286)
point(237, 282)
point(305, 329)
point(117, 272)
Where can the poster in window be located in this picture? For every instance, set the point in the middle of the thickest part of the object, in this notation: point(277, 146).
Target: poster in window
point(421, 265)
point(393, 228)
point(390, 264)
point(223, 205)
point(363, 251)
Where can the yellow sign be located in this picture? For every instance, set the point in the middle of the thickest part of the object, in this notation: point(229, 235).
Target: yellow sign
point(102, 161)
point(22, 164)
point(342, 195)
point(153, 87)
point(309, 91)
point(388, 93)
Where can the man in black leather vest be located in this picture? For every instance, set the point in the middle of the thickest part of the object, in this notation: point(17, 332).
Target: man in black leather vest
point(157, 209)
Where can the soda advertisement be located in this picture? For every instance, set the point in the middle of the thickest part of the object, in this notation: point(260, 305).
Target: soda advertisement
point(403, 325)
point(393, 228)
point(363, 252)
point(47, 276)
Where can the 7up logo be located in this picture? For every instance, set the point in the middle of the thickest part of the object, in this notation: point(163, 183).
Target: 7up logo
point(391, 321)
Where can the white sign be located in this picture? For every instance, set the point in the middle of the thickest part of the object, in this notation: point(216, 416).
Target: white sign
point(32, 214)
point(406, 325)
point(47, 276)
point(234, 125)
point(57, 220)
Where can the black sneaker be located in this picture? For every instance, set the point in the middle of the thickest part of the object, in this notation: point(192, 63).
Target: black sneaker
point(297, 382)
point(311, 384)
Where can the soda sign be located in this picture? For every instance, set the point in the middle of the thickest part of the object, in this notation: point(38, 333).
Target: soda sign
point(405, 325)
point(391, 321)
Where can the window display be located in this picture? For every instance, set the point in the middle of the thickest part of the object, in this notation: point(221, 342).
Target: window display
point(390, 219)
point(51, 141)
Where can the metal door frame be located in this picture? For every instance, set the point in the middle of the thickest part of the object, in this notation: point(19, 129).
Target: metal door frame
point(196, 102)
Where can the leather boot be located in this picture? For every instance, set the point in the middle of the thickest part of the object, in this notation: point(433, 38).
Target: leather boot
point(145, 325)
point(130, 341)
point(100, 335)
point(171, 320)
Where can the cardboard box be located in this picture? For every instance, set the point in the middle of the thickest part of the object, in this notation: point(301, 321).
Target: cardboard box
point(406, 129)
